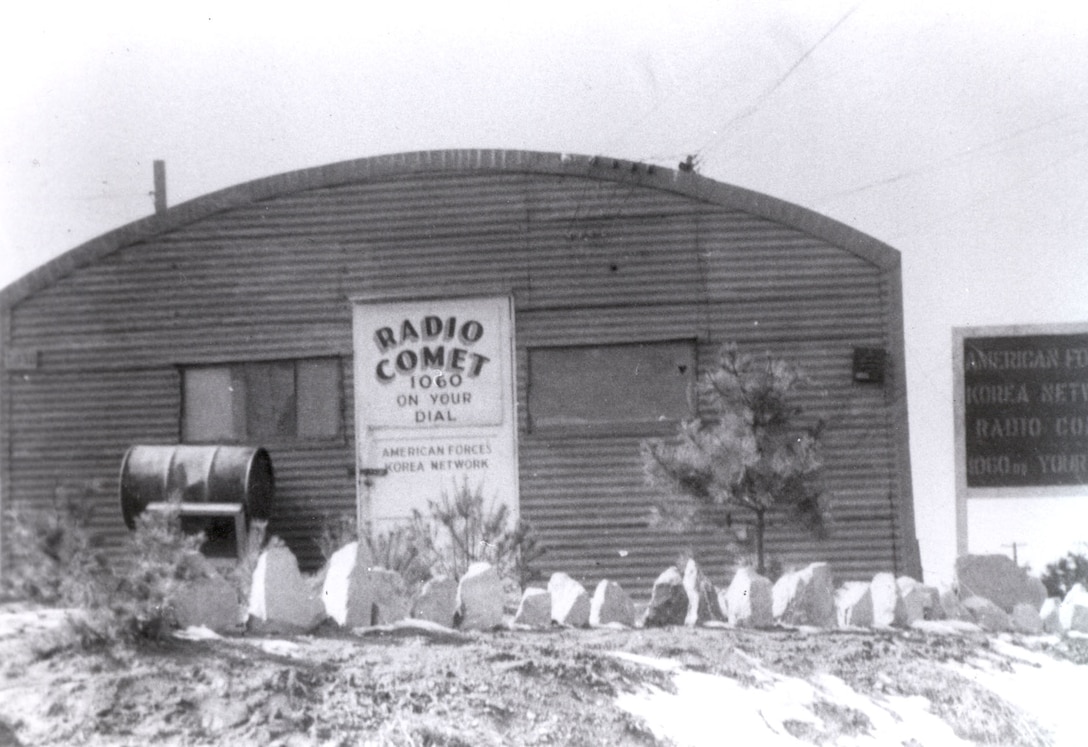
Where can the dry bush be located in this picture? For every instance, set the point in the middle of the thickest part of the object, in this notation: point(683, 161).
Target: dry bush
point(406, 549)
point(56, 560)
point(337, 530)
point(160, 558)
point(469, 531)
point(457, 530)
point(52, 556)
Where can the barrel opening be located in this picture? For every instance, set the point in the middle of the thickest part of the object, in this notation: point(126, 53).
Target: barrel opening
point(221, 538)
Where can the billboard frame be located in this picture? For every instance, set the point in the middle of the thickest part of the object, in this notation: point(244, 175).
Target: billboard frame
point(963, 492)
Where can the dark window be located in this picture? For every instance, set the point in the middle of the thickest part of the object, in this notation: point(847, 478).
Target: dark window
point(637, 387)
point(267, 401)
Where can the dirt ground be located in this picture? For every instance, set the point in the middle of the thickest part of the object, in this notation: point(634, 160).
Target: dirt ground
point(431, 687)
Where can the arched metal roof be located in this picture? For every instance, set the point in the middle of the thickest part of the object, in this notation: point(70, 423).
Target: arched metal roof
point(379, 168)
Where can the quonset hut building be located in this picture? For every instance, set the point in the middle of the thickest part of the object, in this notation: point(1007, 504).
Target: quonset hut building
point(389, 328)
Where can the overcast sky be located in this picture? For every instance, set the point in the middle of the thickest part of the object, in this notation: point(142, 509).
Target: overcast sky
point(955, 132)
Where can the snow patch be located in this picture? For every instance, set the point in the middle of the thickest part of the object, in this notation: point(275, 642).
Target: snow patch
point(946, 627)
point(277, 647)
point(197, 633)
point(706, 708)
point(1048, 690)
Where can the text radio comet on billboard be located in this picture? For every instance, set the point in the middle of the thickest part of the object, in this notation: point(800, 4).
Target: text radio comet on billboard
point(447, 367)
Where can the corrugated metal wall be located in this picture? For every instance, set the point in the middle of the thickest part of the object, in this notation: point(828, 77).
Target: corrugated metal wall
point(70, 430)
point(589, 259)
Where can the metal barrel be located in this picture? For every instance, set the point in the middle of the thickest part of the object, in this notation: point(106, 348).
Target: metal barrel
point(196, 474)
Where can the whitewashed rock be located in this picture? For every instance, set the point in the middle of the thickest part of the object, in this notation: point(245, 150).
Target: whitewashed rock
point(570, 601)
point(888, 608)
point(749, 600)
point(611, 605)
point(387, 593)
point(1050, 615)
point(337, 583)
point(702, 597)
point(1026, 619)
point(480, 598)
point(437, 601)
point(953, 608)
point(280, 596)
point(987, 615)
point(920, 602)
point(356, 595)
point(999, 579)
point(668, 600)
point(209, 602)
point(1037, 591)
point(854, 605)
point(1073, 612)
point(535, 608)
point(805, 597)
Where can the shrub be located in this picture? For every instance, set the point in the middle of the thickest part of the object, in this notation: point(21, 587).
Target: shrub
point(457, 530)
point(524, 550)
point(1061, 575)
point(407, 549)
point(337, 530)
point(749, 453)
point(159, 558)
point(56, 560)
point(53, 558)
point(404, 548)
point(470, 531)
point(240, 575)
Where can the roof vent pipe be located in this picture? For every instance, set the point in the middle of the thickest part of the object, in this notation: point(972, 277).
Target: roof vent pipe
point(160, 187)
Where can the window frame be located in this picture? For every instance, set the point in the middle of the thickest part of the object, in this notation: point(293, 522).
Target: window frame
point(620, 428)
point(237, 368)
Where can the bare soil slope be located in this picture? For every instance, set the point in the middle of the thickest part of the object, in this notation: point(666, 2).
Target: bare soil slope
point(418, 687)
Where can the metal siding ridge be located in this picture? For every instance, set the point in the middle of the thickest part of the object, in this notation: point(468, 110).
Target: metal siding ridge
point(597, 325)
point(620, 510)
point(276, 344)
point(411, 226)
point(53, 454)
point(685, 184)
point(563, 200)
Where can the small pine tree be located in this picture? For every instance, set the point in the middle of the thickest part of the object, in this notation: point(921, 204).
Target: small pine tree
point(1064, 573)
point(748, 452)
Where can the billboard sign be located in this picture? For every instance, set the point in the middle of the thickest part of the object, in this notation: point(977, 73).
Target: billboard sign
point(1025, 410)
point(1021, 414)
point(434, 403)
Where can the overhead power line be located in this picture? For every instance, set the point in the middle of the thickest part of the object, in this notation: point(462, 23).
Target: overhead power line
point(986, 148)
point(770, 90)
point(991, 195)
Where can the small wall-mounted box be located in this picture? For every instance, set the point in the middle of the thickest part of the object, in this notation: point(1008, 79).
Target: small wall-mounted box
point(869, 365)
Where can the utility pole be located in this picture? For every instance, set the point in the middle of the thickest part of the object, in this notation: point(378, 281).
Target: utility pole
point(1014, 545)
point(160, 186)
